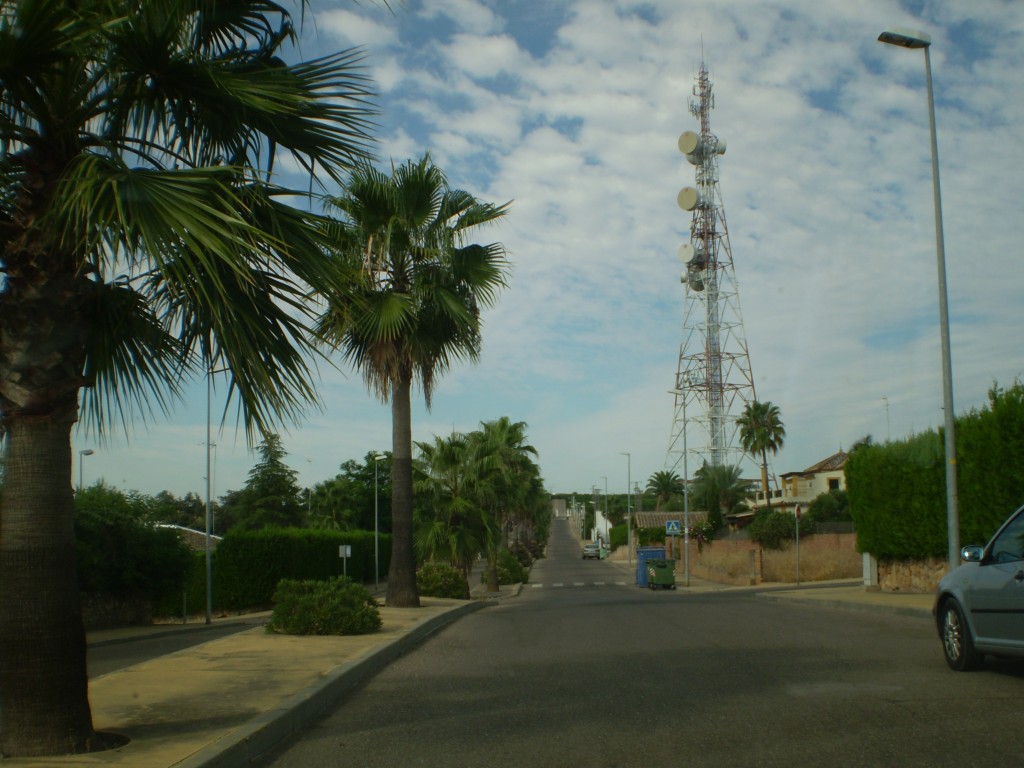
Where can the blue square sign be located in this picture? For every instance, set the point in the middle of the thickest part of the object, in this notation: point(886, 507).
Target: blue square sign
point(673, 528)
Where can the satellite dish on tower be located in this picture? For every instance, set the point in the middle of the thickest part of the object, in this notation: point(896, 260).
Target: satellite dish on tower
point(690, 199)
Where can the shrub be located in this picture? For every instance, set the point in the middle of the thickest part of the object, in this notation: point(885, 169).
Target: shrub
point(441, 580)
point(509, 570)
point(770, 528)
point(333, 607)
point(117, 552)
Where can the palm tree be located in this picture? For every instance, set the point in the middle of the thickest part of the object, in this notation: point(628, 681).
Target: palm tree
point(141, 245)
point(455, 529)
point(761, 430)
point(719, 489)
point(664, 484)
point(504, 480)
point(412, 308)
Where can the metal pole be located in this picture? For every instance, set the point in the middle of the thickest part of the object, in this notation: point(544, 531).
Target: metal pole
point(952, 496)
point(910, 39)
point(686, 504)
point(376, 508)
point(209, 568)
point(629, 516)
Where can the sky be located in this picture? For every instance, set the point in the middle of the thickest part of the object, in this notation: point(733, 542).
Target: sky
point(571, 110)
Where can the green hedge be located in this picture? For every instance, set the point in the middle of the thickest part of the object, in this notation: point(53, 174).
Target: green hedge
point(247, 566)
point(897, 491)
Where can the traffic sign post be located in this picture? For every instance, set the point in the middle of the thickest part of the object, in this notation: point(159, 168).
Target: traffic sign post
point(673, 529)
point(344, 552)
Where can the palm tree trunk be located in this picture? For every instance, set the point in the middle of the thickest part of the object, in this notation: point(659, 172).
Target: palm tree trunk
point(402, 591)
point(764, 479)
point(43, 674)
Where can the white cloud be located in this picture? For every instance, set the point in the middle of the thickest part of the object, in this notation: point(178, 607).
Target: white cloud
point(827, 192)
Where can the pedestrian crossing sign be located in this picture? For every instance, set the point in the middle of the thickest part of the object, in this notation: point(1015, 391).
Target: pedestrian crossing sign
point(672, 528)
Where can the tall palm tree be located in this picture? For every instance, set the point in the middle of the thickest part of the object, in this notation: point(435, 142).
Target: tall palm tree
point(412, 308)
point(141, 244)
point(504, 479)
point(455, 528)
point(664, 484)
point(761, 430)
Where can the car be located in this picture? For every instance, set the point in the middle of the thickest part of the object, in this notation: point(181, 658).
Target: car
point(979, 606)
point(591, 551)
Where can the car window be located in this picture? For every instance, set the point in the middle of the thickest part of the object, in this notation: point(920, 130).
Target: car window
point(1009, 545)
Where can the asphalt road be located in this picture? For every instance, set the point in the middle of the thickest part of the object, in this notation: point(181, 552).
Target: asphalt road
point(598, 673)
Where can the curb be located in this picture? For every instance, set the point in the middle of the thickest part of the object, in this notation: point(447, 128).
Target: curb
point(260, 736)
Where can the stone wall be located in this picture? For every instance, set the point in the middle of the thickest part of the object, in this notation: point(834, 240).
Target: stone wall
point(911, 575)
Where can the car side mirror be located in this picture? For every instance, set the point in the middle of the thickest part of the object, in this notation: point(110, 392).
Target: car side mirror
point(972, 554)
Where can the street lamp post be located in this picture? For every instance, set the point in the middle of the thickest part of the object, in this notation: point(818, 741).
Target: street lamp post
point(910, 39)
point(606, 542)
point(81, 466)
point(629, 516)
point(376, 525)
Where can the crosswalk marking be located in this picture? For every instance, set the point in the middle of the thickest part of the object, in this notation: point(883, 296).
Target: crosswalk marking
point(560, 584)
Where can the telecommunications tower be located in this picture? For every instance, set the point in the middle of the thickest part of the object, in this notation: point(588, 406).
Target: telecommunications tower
point(713, 380)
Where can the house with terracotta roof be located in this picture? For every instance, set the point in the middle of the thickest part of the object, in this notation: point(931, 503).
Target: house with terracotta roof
point(803, 487)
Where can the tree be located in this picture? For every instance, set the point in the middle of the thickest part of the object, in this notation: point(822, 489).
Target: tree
point(720, 489)
point(272, 497)
point(349, 500)
point(761, 431)
point(142, 244)
point(664, 484)
point(411, 309)
point(504, 475)
point(452, 526)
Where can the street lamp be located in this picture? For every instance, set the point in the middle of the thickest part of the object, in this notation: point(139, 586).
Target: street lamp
point(606, 510)
point(629, 521)
point(81, 455)
point(376, 528)
point(909, 39)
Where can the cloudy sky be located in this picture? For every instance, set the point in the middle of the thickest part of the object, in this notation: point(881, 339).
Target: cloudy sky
point(571, 109)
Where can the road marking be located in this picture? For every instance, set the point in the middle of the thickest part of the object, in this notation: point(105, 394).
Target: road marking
point(536, 586)
point(559, 584)
point(577, 583)
point(598, 583)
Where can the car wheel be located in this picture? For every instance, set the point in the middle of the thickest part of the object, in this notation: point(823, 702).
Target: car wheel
point(957, 644)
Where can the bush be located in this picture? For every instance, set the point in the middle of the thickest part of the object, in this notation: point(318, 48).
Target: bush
point(333, 607)
point(771, 528)
point(830, 507)
point(509, 570)
point(118, 552)
point(441, 580)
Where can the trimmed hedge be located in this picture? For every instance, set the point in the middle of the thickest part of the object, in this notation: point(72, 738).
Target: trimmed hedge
point(247, 566)
point(897, 491)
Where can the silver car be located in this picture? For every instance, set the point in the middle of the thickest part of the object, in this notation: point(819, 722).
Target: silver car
point(979, 607)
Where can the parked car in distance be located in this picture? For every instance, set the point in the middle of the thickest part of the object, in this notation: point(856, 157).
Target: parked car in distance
point(979, 606)
point(591, 551)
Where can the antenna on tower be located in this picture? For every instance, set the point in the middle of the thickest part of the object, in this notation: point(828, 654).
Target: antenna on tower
point(713, 378)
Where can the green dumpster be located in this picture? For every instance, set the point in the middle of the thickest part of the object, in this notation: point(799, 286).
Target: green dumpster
point(661, 574)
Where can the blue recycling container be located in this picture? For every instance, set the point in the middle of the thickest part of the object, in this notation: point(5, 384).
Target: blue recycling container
point(643, 554)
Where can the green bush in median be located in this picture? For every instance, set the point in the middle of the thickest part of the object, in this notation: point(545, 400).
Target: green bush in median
point(333, 607)
point(441, 580)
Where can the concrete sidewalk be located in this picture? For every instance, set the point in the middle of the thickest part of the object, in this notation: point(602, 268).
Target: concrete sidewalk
point(227, 702)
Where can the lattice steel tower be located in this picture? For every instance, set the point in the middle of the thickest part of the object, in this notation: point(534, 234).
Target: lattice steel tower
point(713, 380)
